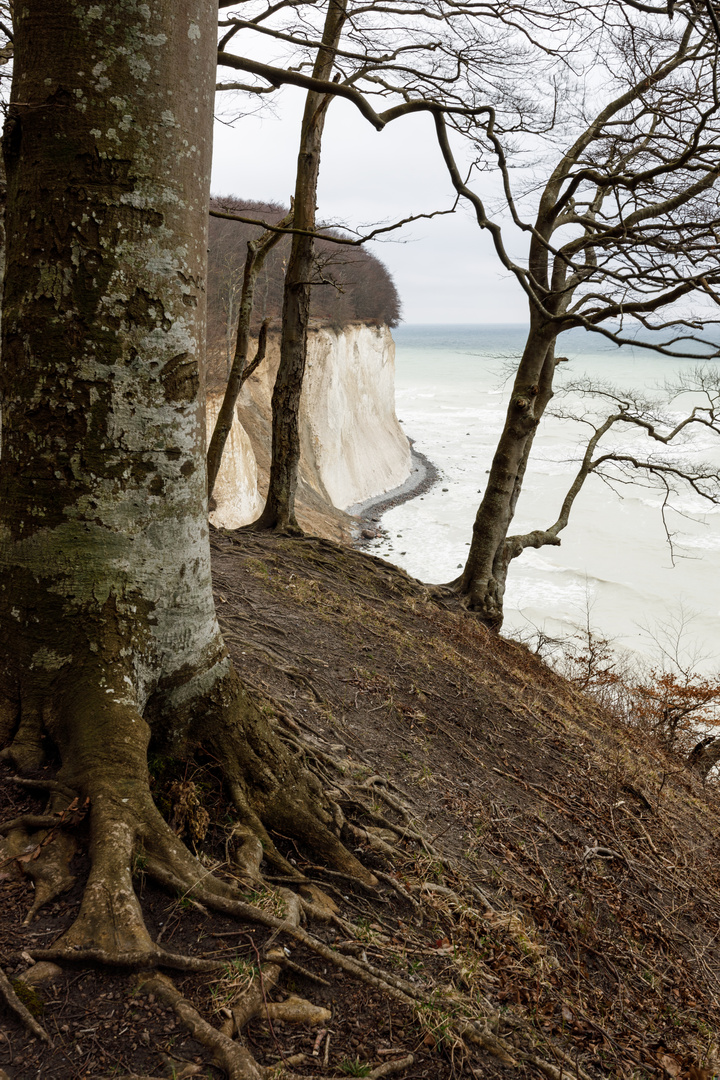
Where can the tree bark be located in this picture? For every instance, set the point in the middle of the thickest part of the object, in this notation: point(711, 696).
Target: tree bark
point(279, 510)
point(108, 634)
point(704, 757)
point(482, 583)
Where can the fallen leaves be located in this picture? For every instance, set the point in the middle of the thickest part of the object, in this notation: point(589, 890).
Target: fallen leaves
point(670, 1064)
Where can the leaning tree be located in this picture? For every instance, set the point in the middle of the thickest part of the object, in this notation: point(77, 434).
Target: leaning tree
point(624, 238)
point(108, 635)
point(450, 57)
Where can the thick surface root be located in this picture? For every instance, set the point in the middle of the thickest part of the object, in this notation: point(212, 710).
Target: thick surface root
point(271, 788)
point(390, 1068)
point(232, 1057)
point(273, 793)
point(50, 871)
point(44, 856)
point(249, 1002)
point(103, 742)
point(167, 860)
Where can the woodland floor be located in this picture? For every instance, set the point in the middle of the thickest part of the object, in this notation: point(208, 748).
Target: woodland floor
point(566, 893)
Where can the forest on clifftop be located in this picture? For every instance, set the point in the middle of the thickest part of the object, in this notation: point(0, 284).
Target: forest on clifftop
point(351, 284)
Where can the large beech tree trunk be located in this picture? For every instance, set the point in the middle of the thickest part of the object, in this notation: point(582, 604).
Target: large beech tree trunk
point(482, 582)
point(279, 510)
point(108, 635)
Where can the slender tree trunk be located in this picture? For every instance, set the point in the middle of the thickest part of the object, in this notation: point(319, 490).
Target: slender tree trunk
point(279, 511)
point(257, 252)
point(704, 756)
point(108, 635)
point(483, 579)
point(229, 325)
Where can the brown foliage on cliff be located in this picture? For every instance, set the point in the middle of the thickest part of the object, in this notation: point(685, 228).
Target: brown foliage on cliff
point(351, 284)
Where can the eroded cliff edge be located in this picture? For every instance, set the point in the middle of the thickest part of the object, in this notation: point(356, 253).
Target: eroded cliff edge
point(352, 446)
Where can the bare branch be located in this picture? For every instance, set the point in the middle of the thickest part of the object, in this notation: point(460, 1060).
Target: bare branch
point(703, 480)
point(286, 77)
point(333, 238)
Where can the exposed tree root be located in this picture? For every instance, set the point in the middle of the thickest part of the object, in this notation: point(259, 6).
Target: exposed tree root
point(168, 862)
point(46, 853)
point(14, 1002)
point(273, 523)
point(103, 742)
point(26, 749)
point(464, 1029)
point(251, 1001)
point(296, 1010)
point(350, 879)
point(243, 910)
point(125, 824)
point(29, 821)
point(238, 1063)
point(392, 1067)
point(44, 857)
point(270, 788)
point(50, 871)
point(298, 969)
point(113, 958)
point(45, 785)
point(378, 785)
point(248, 855)
point(405, 993)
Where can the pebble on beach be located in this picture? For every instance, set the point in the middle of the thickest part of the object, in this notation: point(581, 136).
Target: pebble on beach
point(370, 528)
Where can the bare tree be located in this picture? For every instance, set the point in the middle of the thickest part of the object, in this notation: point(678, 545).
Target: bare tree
point(626, 228)
point(279, 510)
point(630, 463)
point(360, 288)
point(446, 57)
point(227, 253)
point(257, 251)
point(224, 289)
point(625, 224)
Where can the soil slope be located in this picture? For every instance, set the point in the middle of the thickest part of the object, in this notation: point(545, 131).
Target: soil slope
point(548, 898)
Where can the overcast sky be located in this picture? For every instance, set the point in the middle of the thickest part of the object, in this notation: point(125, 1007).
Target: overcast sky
point(444, 269)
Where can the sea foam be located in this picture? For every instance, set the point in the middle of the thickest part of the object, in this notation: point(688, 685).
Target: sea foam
point(614, 559)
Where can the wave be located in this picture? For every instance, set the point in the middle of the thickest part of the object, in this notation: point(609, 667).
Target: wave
point(613, 553)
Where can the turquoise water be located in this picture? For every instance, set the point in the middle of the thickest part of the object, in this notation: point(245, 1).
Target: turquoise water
point(452, 386)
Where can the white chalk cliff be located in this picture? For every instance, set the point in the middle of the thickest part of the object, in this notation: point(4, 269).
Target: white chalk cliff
point(352, 447)
point(236, 485)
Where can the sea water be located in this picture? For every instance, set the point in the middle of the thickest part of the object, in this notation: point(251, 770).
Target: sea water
point(615, 567)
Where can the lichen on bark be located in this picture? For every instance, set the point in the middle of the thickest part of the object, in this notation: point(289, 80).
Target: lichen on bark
point(108, 635)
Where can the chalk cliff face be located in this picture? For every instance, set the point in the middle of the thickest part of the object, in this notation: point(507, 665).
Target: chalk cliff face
point(236, 492)
point(348, 414)
point(352, 447)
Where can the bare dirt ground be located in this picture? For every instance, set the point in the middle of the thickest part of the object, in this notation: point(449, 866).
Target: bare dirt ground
point(548, 898)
